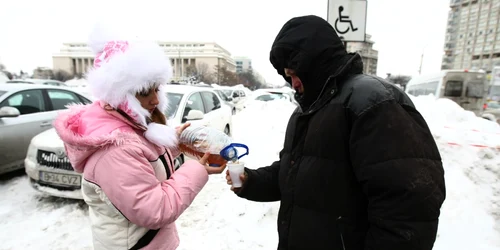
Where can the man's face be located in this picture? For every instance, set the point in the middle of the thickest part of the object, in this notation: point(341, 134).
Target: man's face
point(296, 82)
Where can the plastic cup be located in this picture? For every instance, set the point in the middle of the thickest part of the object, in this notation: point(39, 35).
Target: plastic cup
point(235, 170)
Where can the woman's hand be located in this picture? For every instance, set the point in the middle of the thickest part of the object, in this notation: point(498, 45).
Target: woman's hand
point(181, 128)
point(211, 170)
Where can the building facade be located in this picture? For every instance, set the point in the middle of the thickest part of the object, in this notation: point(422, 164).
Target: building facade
point(243, 64)
point(186, 58)
point(368, 54)
point(472, 35)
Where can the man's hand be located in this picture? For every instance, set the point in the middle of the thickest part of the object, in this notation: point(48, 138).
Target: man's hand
point(243, 178)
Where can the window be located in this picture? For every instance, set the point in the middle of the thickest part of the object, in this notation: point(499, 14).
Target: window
point(60, 99)
point(174, 100)
point(27, 102)
point(242, 93)
point(453, 88)
point(84, 100)
point(194, 103)
point(211, 101)
point(474, 90)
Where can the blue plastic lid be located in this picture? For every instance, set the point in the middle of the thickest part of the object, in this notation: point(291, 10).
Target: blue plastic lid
point(230, 153)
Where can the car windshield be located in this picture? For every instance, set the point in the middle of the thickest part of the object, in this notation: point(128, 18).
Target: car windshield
point(222, 95)
point(227, 92)
point(174, 99)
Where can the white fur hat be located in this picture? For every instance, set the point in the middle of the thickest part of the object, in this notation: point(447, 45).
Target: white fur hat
point(123, 68)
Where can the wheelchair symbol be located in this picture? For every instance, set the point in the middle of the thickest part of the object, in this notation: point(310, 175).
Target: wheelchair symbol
point(344, 19)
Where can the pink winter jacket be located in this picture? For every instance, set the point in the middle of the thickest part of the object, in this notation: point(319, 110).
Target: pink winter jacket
point(124, 181)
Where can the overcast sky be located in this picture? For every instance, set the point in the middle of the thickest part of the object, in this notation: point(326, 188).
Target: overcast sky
point(32, 30)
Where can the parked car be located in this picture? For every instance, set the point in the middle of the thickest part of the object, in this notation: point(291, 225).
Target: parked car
point(38, 81)
point(227, 100)
point(199, 105)
point(25, 111)
point(50, 171)
point(288, 92)
point(239, 96)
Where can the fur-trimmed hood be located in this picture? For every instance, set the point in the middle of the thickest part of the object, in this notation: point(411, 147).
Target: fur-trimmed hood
point(84, 129)
point(122, 69)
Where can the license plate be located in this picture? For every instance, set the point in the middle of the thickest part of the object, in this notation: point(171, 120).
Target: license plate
point(60, 179)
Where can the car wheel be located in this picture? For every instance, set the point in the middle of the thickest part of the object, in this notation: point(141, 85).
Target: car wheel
point(227, 131)
point(178, 162)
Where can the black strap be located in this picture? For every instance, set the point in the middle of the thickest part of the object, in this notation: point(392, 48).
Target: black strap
point(164, 161)
point(145, 240)
point(150, 235)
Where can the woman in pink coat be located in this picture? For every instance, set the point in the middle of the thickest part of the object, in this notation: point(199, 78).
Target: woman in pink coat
point(125, 150)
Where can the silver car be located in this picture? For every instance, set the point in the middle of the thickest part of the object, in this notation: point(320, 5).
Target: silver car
point(25, 111)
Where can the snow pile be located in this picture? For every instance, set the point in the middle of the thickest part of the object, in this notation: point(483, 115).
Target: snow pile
point(261, 125)
point(468, 146)
point(450, 123)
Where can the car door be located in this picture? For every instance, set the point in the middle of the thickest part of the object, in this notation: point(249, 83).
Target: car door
point(213, 108)
point(194, 102)
point(16, 132)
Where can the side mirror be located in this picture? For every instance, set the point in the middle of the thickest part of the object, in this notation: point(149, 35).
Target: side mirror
point(194, 115)
point(230, 99)
point(9, 112)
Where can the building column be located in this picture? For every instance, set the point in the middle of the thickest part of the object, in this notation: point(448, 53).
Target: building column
point(175, 67)
point(77, 69)
point(182, 67)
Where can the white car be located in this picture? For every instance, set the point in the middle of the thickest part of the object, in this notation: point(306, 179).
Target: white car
point(50, 171)
point(238, 95)
point(199, 106)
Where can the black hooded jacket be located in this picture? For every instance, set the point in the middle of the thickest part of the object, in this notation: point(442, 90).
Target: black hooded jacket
point(359, 168)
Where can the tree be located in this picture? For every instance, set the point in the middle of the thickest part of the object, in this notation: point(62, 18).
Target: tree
point(203, 73)
point(223, 76)
point(249, 80)
point(61, 75)
point(8, 74)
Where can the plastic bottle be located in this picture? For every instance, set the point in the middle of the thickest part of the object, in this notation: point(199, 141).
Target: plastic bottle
point(195, 141)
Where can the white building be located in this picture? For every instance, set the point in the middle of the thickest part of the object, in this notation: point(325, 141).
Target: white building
point(243, 64)
point(472, 35)
point(76, 58)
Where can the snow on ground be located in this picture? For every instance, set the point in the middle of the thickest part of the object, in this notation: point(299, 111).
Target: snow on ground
point(218, 219)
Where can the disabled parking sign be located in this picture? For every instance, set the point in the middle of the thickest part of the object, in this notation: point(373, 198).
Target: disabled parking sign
point(348, 18)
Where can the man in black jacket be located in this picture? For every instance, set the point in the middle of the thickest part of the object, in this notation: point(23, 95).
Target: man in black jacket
point(359, 169)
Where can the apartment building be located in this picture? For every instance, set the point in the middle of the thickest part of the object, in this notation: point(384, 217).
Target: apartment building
point(185, 57)
point(472, 35)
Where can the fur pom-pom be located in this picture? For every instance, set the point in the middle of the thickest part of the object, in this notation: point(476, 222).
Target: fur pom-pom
point(162, 135)
point(102, 33)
